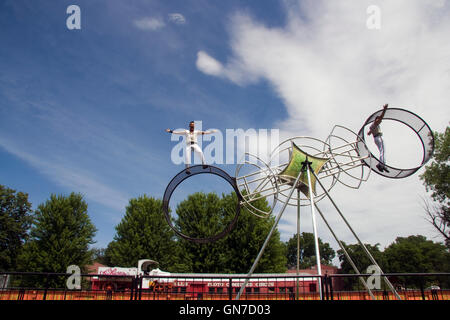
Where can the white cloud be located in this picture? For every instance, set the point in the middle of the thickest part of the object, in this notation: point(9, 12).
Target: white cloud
point(328, 68)
point(208, 64)
point(330, 63)
point(155, 23)
point(149, 23)
point(177, 18)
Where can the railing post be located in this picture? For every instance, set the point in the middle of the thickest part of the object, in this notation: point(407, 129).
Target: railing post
point(46, 287)
point(140, 287)
point(321, 295)
point(132, 288)
point(421, 290)
point(330, 286)
point(136, 285)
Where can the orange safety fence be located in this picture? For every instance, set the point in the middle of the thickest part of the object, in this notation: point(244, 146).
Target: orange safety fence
point(33, 294)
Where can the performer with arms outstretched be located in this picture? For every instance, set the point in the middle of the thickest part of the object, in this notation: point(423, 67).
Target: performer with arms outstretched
point(191, 143)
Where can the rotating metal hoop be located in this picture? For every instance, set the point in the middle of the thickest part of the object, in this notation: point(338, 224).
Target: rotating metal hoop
point(183, 175)
point(259, 183)
point(415, 123)
point(280, 158)
point(342, 143)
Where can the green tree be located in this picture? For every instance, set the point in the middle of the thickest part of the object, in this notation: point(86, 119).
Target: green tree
point(15, 222)
point(60, 236)
point(202, 215)
point(143, 233)
point(246, 239)
point(436, 179)
point(416, 254)
point(361, 260)
point(308, 251)
point(199, 216)
point(99, 255)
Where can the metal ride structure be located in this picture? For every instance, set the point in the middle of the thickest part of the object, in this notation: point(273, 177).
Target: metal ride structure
point(301, 172)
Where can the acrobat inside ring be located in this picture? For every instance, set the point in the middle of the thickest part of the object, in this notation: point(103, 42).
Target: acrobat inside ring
point(416, 124)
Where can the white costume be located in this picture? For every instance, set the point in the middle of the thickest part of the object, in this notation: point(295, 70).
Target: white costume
point(377, 137)
point(191, 144)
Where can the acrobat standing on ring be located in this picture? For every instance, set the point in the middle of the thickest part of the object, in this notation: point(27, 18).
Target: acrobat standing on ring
point(191, 143)
point(378, 138)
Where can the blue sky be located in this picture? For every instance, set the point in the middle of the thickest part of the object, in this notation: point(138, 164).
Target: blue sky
point(85, 110)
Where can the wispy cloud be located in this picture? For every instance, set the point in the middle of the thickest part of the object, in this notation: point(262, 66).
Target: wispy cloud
point(149, 23)
point(157, 23)
point(71, 177)
point(177, 18)
point(86, 154)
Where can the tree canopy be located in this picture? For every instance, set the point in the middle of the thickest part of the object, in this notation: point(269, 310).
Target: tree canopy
point(437, 175)
point(413, 254)
point(60, 236)
point(308, 252)
point(15, 221)
point(143, 233)
point(416, 254)
point(436, 179)
point(359, 257)
point(236, 252)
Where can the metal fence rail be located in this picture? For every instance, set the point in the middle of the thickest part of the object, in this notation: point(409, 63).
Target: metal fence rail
point(53, 286)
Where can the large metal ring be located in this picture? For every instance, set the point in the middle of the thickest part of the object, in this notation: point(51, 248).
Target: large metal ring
point(261, 183)
point(414, 122)
point(183, 175)
point(344, 155)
